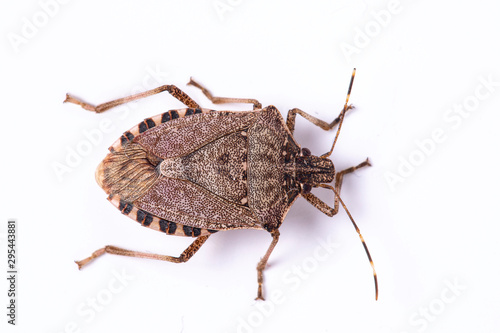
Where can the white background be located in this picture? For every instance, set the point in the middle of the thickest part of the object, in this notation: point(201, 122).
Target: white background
point(429, 215)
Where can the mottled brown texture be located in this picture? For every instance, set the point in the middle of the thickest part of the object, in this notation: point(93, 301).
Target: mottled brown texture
point(154, 222)
point(182, 136)
point(187, 203)
point(204, 185)
point(266, 164)
point(220, 167)
point(222, 180)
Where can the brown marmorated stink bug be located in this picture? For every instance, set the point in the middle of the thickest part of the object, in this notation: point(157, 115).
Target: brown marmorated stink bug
point(194, 171)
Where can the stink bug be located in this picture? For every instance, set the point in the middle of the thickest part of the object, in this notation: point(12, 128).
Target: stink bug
point(194, 171)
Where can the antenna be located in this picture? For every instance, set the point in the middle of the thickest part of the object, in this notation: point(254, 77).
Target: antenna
point(359, 233)
point(342, 113)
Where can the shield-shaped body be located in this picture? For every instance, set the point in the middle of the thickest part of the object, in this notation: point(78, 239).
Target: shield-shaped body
point(192, 172)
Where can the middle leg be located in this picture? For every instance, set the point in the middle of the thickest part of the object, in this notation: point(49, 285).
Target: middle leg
point(222, 100)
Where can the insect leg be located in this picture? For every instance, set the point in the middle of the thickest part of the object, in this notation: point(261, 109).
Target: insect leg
point(323, 207)
point(263, 262)
point(339, 177)
point(222, 100)
point(319, 204)
point(185, 256)
point(290, 119)
point(173, 90)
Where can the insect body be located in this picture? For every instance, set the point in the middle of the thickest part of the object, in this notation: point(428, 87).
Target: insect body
point(195, 171)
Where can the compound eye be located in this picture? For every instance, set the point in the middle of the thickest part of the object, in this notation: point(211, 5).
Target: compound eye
point(306, 152)
point(306, 188)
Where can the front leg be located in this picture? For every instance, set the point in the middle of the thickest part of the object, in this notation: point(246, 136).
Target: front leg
point(339, 177)
point(290, 119)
